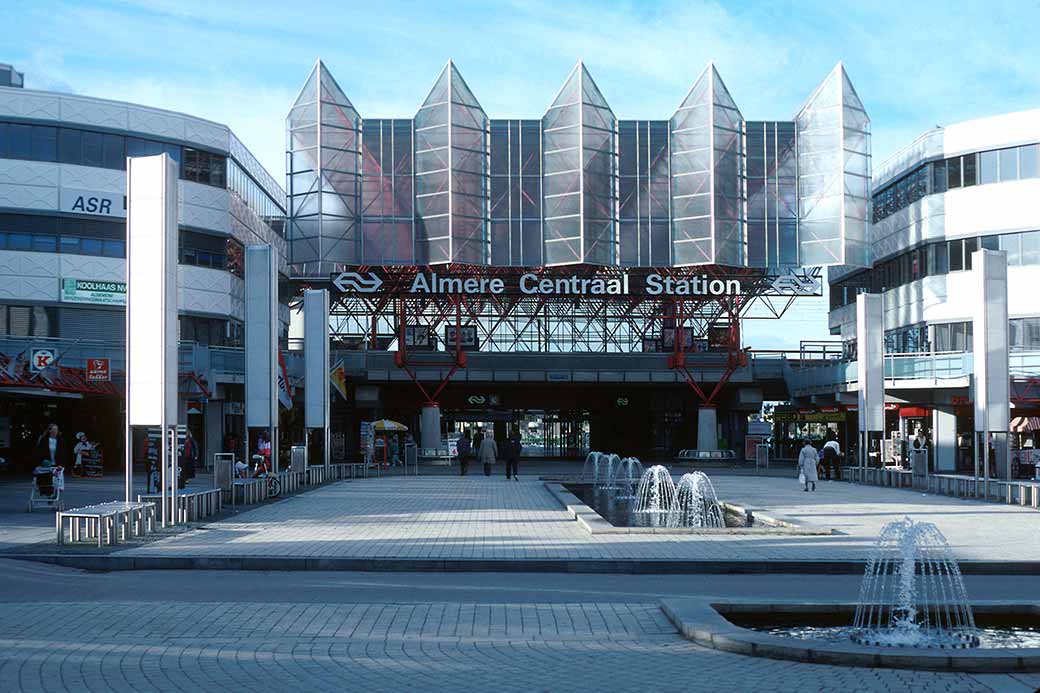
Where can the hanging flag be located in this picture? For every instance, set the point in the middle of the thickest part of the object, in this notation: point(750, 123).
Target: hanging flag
point(338, 378)
point(284, 389)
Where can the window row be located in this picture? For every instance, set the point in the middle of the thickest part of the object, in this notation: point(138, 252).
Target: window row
point(28, 321)
point(934, 259)
point(1023, 334)
point(212, 331)
point(992, 166)
point(105, 150)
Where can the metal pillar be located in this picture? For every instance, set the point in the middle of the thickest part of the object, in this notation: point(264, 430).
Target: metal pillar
point(870, 349)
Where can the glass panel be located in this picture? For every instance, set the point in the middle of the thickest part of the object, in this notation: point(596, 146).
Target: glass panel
point(1031, 248)
point(1009, 164)
point(968, 169)
point(953, 173)
point(956, 256)
point(1029, 161)
point(988, 167)
point(1011, 243)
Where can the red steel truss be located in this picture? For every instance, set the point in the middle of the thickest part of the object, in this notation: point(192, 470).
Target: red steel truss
point(513, 321)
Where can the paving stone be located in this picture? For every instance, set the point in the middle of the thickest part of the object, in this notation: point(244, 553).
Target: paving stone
point(452, 518)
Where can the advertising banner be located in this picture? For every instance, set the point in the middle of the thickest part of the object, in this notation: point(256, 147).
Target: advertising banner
point(87, 291)
point(98, 370)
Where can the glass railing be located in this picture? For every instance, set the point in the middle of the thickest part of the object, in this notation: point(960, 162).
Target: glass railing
point(905, 367)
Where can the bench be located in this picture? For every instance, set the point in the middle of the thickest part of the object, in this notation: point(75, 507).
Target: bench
point(191, 505)
point(107, 522)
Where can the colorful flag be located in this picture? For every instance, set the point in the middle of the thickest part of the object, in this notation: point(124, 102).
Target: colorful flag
point(284, 389)
point(338, 378)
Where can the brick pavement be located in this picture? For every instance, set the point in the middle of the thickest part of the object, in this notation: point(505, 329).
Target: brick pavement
point(127, 646)
point(447, 517)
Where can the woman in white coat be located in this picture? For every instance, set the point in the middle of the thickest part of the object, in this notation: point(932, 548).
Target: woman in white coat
point(488, 453)
point(808, 458)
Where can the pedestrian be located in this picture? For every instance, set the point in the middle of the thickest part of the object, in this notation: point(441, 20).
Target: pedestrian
point(478, 438)
point(395, 450)
point(488, 453)
point(512, 454)
point(82, 446)
point(808, 458)
point(51, 450)
point(188, 461)
point(464, 450)
point(831, 459)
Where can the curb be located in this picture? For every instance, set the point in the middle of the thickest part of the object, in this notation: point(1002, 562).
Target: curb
point(113, 562)
point(702, 622)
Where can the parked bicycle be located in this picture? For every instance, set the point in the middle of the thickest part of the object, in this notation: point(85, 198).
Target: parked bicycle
point(262, 470)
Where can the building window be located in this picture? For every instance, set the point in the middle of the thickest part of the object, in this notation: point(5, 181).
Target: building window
point(28, 321)
point(988, 168)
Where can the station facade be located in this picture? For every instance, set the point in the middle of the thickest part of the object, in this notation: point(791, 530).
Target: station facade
point(62, 262)
point(550, 272)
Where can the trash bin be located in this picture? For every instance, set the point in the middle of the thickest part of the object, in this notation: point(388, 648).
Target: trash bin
point(298, 458)
point(919, 467)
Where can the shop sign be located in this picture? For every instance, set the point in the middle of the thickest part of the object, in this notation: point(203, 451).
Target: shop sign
point(41, 359)
point(622, 401)
point(94, 202)
point(87, 291)
point(98, 371)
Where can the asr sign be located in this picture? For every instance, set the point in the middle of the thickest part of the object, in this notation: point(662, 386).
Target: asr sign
point(93, 202)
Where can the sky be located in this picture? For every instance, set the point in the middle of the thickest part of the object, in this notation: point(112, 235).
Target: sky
point(915, 64)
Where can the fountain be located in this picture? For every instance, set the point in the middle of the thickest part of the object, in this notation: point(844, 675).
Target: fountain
point(696, 504)
point(913, 594)
point(655, 497)
point(590, 471)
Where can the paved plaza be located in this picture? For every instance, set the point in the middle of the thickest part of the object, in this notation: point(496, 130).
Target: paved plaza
point(134, 646)
point(475, 517)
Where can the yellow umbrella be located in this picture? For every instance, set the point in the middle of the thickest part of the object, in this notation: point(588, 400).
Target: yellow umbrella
point(384, 425)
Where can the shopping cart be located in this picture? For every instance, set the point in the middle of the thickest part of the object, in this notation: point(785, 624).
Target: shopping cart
point(48, 483)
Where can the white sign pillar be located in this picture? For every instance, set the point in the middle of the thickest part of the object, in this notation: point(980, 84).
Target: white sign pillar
point(316, 364)
point(992, 387)
point(262, 343)
point(870, 350)
point(151, 315)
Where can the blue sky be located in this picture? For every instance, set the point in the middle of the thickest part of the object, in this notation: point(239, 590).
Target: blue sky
point(915, 64)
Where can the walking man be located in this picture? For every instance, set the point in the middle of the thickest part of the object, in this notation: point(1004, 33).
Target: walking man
point(512, 453)
point(464, 449)
point(831, 460)
point(488, 453)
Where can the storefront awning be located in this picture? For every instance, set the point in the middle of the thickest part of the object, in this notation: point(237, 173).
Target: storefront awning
point(1025, 424)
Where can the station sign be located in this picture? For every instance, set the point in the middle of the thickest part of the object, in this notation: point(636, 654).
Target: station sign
point(432, 282)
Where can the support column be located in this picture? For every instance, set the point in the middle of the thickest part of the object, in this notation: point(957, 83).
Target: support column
point(707, 428)
point(151, 315)
point(870, 349)
point(944, 440)
point(430, 425)
point(261, 357)
point(316, 365)
point(990, 373)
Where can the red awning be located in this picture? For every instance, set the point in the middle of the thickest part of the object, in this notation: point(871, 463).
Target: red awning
point(914, 412)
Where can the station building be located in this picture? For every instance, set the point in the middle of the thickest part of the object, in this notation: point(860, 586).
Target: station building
point(701, 197)
point(950, 192)
point(62, 262)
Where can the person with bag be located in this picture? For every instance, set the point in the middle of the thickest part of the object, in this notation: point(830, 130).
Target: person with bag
point(488, 453)
point(464, 450)
point(808, 458)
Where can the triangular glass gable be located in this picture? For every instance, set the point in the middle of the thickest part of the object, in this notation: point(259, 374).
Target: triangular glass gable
point(441, 88)
point(570, 91)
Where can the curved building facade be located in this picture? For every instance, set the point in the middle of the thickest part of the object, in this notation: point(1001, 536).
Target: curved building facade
point(62, 257)
point(952, 191)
